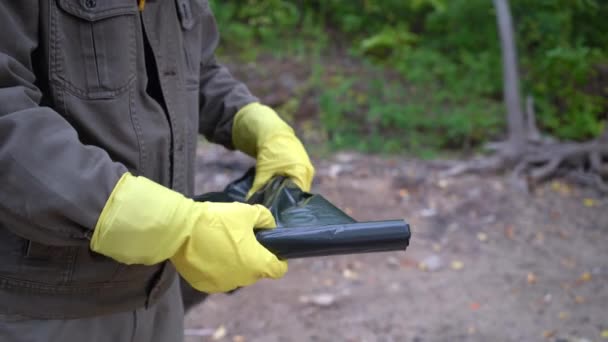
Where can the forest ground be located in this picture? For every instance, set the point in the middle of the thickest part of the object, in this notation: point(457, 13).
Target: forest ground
point(485, 263)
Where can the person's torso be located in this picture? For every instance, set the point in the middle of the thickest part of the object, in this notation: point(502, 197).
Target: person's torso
point(93, 59)
point(91, 67)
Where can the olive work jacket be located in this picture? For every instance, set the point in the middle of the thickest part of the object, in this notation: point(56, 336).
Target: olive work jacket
point(77, 111)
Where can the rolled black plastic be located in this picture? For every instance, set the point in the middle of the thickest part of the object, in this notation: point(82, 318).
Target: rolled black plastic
point(350, 238)
point(308, 225)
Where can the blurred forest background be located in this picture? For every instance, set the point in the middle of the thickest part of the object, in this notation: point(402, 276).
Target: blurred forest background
point(374, 88)
point(423, 77)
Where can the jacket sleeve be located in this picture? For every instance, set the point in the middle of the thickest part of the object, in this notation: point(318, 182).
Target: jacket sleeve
point(221, 95)
point(53, 187)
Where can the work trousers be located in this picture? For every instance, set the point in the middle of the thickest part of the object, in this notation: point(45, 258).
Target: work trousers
point(161, 322)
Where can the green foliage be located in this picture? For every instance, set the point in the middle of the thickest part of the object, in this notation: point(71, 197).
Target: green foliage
point(252, 26)
point(562, 44)
point(255, 18)
point(381, 118)
point(569, 66)
point(443, 59)
point(387, 41)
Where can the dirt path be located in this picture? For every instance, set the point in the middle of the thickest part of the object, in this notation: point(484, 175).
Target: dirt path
point(485, 263)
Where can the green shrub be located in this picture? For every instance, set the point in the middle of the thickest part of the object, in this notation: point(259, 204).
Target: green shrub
point(447, 56)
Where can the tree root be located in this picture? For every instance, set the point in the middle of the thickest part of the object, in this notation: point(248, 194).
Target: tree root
point(589, 179)
point(586, 163)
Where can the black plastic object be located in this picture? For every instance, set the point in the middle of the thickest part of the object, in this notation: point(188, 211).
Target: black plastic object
point(308, 225)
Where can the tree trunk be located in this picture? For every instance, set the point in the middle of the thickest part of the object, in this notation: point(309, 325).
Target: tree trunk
point(515, 116)
point(603, 139)
point(533, 157)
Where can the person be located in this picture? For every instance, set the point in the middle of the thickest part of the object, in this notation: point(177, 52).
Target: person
point(101, 104)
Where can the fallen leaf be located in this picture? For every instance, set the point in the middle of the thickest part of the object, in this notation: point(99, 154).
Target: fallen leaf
point(561, 188)
point(219, 333)
point(474, 306)
point(428, 212)
point(403, 193)
point(498, 186)
point(585, 277)
point(483, 237)
point(408, 263)
point(564, 235)
point(605, 334)
point(579, 299)
point(589, 202)
point(539, 237)
point(563, 315)
point(457, 265)
point(323, 299)
point(355, 265)
point(334, 170)
point(471, 330)
point(437, 247)
point(531, 278)
point(328, 282)
point(394, 287)
point(548, 333)
point(238, 338)
point(568, 263)
point(431, 263)
point(510, 232)
point(392, 262)
point(350, 274)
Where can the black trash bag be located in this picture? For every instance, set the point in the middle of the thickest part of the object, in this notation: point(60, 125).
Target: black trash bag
point(308, 225)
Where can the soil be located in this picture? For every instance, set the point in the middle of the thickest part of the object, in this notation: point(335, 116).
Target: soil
point(486, 262)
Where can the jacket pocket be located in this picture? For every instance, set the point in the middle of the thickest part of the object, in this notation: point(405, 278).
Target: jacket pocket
point(93, 46)
point(31, 262)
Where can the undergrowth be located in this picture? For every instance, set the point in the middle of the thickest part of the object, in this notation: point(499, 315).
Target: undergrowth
point(424, 76)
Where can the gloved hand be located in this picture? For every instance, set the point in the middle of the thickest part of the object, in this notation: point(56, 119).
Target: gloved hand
point(258, 131)
point(212, 245)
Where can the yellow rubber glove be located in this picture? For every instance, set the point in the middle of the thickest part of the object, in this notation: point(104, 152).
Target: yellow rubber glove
point(212, 245)
point(258, 131)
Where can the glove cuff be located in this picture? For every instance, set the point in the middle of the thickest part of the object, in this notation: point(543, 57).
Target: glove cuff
point(142, 222)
